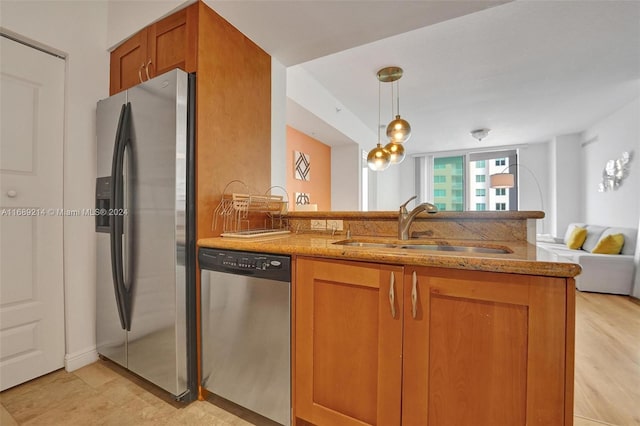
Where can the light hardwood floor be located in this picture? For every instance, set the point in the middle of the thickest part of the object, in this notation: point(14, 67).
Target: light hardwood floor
point(607, 389)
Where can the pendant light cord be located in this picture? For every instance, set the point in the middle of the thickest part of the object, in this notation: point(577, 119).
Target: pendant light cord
point(392, 112)
point(398, 97)
point(379, 114)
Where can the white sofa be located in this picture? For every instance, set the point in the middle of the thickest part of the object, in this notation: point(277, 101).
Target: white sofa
point(602, 273)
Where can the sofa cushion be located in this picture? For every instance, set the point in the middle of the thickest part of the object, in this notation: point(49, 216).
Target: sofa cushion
point(593, 236)
point(630, 238)
point(577, 238)
point(609, 244)
point(570, 229)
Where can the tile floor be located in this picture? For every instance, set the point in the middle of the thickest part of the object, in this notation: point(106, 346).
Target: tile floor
point(104, 394)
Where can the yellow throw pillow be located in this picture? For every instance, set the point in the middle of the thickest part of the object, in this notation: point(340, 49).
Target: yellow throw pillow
point(611, 244)
point(577, 237)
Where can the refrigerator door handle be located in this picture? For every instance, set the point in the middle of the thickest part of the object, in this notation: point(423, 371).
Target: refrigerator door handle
point(116, 223)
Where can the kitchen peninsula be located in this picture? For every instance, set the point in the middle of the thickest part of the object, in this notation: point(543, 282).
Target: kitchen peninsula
point(384, 333)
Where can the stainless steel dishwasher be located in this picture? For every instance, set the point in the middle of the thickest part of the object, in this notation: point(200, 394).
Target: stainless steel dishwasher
point(246, 330)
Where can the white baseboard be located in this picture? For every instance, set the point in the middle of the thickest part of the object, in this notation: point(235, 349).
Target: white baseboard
point(80, 359)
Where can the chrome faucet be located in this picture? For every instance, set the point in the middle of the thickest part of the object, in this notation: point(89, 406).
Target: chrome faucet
point(405, 218)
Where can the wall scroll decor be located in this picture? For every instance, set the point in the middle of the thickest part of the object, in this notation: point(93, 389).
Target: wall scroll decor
point(302, 166)
point(614, 172)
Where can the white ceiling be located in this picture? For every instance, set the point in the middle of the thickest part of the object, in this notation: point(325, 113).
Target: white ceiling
point(528, 70)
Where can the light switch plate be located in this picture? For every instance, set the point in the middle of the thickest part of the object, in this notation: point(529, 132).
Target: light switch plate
point(334, 225)
point(318, 224)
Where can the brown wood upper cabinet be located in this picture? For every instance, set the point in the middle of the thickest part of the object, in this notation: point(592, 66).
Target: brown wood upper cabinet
point(475, 348)
point(169, 43)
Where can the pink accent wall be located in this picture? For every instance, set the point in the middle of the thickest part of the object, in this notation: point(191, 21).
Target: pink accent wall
point(319, 185)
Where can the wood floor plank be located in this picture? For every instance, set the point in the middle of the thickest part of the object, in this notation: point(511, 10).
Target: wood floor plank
point(607, 375)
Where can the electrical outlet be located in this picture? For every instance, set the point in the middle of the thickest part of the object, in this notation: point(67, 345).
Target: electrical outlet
point(318, 224)
point(334, 225)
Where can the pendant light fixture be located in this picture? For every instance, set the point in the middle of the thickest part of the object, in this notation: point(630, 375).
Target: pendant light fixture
point(399, 129)
point(397, 152)
point(378, 158)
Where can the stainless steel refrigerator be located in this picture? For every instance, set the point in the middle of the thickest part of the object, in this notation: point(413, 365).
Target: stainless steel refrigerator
point(145, 230)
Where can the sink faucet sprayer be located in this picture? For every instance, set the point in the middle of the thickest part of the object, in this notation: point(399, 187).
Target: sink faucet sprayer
point(405, 218)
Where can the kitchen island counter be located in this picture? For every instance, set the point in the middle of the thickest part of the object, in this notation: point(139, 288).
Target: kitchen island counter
point(523, 258)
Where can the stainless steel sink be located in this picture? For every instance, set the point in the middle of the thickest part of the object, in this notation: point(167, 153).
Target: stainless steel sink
point(467, 249)
point(431, 247)
point(364, 244)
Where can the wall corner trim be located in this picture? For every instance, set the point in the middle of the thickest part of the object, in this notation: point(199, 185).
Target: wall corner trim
point(81, 358)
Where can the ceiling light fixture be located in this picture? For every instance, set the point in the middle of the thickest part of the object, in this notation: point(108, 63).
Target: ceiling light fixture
point(378, 158)
point(397, 152)
point(398, 130)
point(480, 133)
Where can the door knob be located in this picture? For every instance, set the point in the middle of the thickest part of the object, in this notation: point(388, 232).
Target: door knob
point(11, 193)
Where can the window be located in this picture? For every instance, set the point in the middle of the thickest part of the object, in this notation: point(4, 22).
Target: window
point(482, 165)
point(460, 182)
point(448, 183)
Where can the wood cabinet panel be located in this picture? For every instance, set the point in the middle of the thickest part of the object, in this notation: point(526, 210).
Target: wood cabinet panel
point(127, 63)
point(173, 42)
point(349, 358)
point(484, 349)
point(168, 44)
point(233, 115)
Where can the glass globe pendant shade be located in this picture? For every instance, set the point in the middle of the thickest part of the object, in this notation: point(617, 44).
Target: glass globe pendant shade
point(378, 158)
point(399, 130)
point(397, 152)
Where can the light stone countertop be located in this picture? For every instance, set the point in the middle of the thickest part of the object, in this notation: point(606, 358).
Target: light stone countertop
point(524, 258)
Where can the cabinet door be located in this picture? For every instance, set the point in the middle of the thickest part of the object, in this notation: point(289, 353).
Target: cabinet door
point(348, 337)
point(127, 63)
point(484, 349)
point(173, 42)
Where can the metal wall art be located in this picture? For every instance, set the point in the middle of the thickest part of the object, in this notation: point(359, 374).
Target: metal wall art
point(302, 166)
point(302, 198)
point(614, 172)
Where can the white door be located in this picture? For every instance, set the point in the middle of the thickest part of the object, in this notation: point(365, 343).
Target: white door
point(31, 269)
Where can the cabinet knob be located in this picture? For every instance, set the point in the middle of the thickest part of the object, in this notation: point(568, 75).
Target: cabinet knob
point(12, 193)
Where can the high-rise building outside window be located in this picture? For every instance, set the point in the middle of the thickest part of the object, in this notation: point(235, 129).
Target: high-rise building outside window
point(461, 182)
point(448, 183)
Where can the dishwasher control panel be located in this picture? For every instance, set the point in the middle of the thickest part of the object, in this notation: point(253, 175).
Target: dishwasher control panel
point(262, 265)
